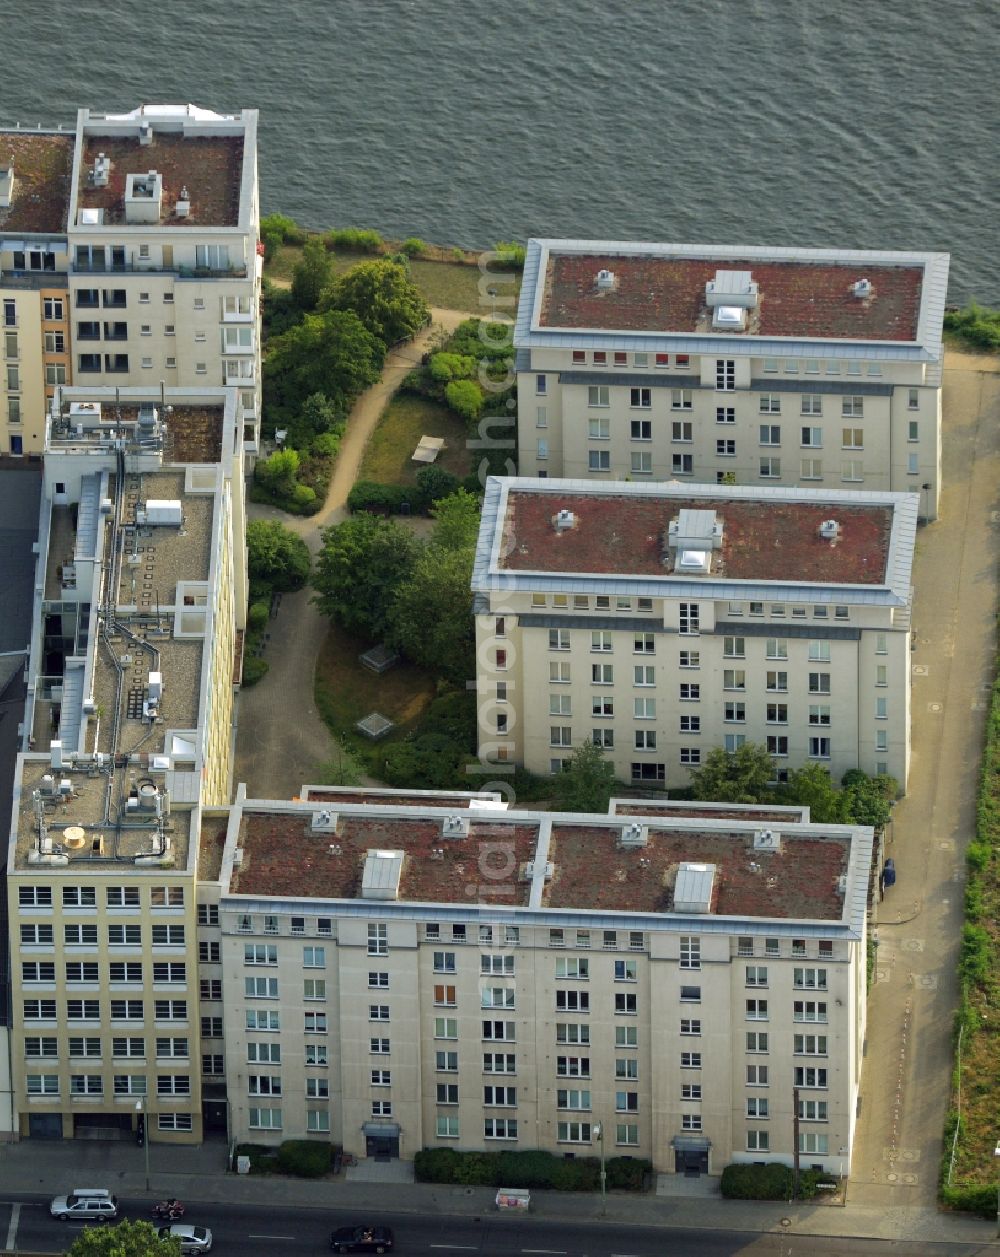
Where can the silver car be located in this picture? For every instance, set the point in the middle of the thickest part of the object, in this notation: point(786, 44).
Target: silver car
point(194, 1239)
point(85, 1205)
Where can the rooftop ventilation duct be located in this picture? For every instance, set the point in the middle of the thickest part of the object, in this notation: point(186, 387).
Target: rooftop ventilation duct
point(143, 197)
point(455, 827)
point(102, 171)
point(729, 318)
point(731, 288)
point(634, 834)
point(862, 289)
point(766, 840)
point(162, 511)
point(183, 207)
point(829, 530)
point(691, 538)
point(605, 280)
point(694, 887)
point(145, 132)
point(564, 520)
point(6, 186)
point(382, 872)
point(324, 821)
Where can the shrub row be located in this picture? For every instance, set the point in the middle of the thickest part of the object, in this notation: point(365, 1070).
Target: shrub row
point(531, 1170)
point(432, 484)
point(744, 1181)
point(298, 1157)
point(976, 326)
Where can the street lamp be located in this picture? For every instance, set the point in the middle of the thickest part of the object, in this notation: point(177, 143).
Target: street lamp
point(599, 1132)
point(145, 1138)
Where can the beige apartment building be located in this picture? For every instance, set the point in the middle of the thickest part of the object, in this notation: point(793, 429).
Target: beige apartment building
point(660, 621)
point(401, 973)
point(138, 623)
point(742, 365)
point(150, 260)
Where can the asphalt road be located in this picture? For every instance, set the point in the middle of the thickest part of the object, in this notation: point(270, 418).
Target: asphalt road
point(25, 1226)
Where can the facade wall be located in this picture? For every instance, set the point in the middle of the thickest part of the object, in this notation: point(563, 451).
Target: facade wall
point(835, 423)
point(655, 1048)
point(157, 1054)
point(23, 364)
point(557, 670)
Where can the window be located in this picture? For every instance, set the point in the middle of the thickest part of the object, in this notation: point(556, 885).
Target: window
point(504, 1097)
point(819, 683)
point(813, 1111)
point(690, 1060)
point(260, 954)
point(643, 644)
point(681, 430)
point(499, 1031)
point(169, 1009)
point(756, 1010)
point(690, 691)
point(378, 940)
point(122, 896)
point(757, 1106)
point(599, 427)
point(641, 398)
point(725, 414)
point(572, 1032)
point(680, 399)
point(734, 713)
point(725, 374)
point(315, 1054)
point(573, 1001)
point(690, 1026)
point(757, 1075)
point(166, 935)
point(770, 468)
point(689, 618)
point(559, 673)
point(770, 434)
point(541, 385)
point(602, 673)
point(119, 971)
point(641, 463)
point(265, 1119)
point(808, 1010)
point(573, 1132)
point(572, 967)
point(641, 430)
point(86, 1085)
point(79, 897)
point(45, 971)
point(756, 975)
point(689, 659)
point(627, 1101)
point(682, 464)
point(600, 358)
point(758, 1141)
point(770, 404)
point(599, 460)
point(315, 958)
point(315, 1023)
point(645, 739)
point(257, 1019)
point(819, 714)
point(380, 1012)
point(819, 748)
point(260, 988)
point(559, 639)
point(690, 994)
point(208, 914)
point(809, 979)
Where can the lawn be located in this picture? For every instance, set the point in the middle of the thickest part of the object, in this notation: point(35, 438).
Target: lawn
point(405, 419)
point(446, 285)
point(346, 691)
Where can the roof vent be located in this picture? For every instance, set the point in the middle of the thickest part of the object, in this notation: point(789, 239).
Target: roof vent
point(143, 197)
point(693, 888)
point(766, 840)
point(564, 520)
point(829, 530)
point(6, 186)
point(102, 171)
point(691, 538)
point(455, 827)
point(731, 288)
point(862, 289)
point(183, 207)
point(530, 868)
point(729, 318)
point(324, 821)
point(380, 879)
point(145, 132)
point(605, 280)
point(842, 884)
point(634, 834)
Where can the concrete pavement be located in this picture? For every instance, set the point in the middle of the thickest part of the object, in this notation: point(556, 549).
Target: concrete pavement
point(906, 1078)
point(198, 1175)
point(281, 739)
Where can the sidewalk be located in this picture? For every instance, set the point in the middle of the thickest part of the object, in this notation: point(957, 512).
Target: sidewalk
point(198, 1174)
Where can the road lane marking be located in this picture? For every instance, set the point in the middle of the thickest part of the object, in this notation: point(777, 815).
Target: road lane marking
point(15, 1213)
point(272, 1237)
point(462, 1248)
point(558, 1252)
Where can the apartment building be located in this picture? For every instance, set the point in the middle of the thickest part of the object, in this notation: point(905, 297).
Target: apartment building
point(742, 365)
point(35, 175)
point(660, 621)
point(135, 651)
point(150, 261)
point(398, 974)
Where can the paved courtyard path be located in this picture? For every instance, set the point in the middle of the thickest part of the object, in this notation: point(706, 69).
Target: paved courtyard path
point(907, 1069)
point(281, 740)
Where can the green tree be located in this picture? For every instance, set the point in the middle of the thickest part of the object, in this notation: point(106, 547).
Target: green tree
point(312, 275)
point(739, 776)
point(587, 783)
point(431, 616)
point(869, 800)
point(812, 786)
point(276, 555)
point(436, 483)
point(382, 296)
point(445, 366)
point(465, 398)
point(456, 521)
point(127, 1239)
point(330, 353)
point(362, 563)
point(278, 472)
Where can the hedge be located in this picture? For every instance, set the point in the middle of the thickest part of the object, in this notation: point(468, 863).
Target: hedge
point(298, 1157)
point(744, 1181)
point(531, 1170)
point(433, 483)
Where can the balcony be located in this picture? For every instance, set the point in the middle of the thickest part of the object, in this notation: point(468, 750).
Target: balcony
point(95, 267)
point(34, 280)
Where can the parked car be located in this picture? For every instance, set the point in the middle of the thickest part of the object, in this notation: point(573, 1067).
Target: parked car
point(889, 873)
point(86, 1204)
point(194, 1239)
point(362, 1239)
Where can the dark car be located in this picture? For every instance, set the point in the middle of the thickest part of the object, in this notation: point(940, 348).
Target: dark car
point(362, 1239)
point(889, 873)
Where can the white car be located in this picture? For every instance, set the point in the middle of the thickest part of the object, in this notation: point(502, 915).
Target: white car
point(85, 1204)
point(194, 1239)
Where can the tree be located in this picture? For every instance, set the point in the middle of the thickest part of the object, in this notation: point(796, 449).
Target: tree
point(312, 275)
point(587, 783)
point(812, 786)
point(361, 565)
point(435, 483)
point(464, 397)
point(330, 353)
point(456, 521)
point(739, 776)
point(127, 1239)
point(431, 616)
point(278, 472)
point(276, 555)
point(382, 296)
point(869, 800)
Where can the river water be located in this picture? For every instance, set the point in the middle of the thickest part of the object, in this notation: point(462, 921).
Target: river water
point(842, 123)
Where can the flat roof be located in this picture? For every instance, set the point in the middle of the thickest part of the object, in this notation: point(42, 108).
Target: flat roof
point(621, 530)
point(805, 305)
point(282, 856)
point(43, 170)
point(801, 880)
point(209, 167)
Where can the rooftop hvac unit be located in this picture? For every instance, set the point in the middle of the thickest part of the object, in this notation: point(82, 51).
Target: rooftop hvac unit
point(454, 827)
point(862, 289)
point(324, 821)
point(829, 530)
point(766, 840)
point(634, 834)
point(164, 512)
point(605, 280)
point(145, 132)
point(564, 520)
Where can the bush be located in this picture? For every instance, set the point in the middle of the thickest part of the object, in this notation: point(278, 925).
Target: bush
point(258, 615)
point(433, 484)
point(254, 668)
point(465, 397)
point(425, 761)
point(981, 1200)
point(354, 240)
point(513, 253)
point(453, 714)
point(457, 254)
point(534, 1170)
point(757, 1182)
point(369, 495)
point(286, 230)
point(445, 366)
point(304, 1159)
point(628, 1174)
point(975, 325)
point(304, 498)
point(414, 247)
point(327, 444)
